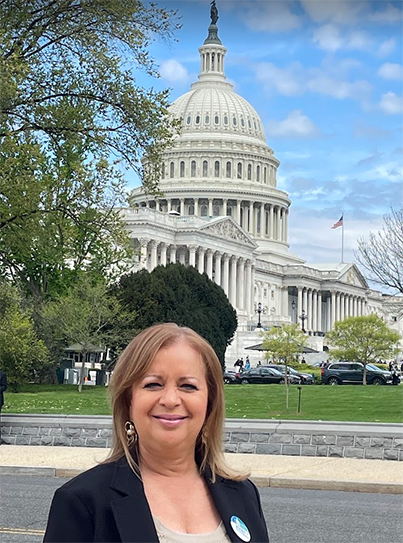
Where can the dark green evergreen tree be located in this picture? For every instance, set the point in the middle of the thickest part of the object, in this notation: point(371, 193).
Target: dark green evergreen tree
point(180, 294)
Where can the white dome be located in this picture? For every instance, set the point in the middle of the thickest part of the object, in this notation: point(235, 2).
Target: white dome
point(213, 107)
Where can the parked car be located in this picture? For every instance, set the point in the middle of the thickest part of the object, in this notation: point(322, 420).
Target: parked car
point(230, 377)
point(262, 375)
point(304, 378)
point(337, 373)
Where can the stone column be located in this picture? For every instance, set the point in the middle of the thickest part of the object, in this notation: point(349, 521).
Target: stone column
point(232, 281)
point(271, 222)
point(337, 316)
point(209, 270)
point(153, 260)
point(342, 307)
point(238, 212)
point(255, 212)
point(355, 306)
point(285, 225)
point(143, 253)
point(192, 255)
point(200, 263)
point(210, 207)
point(309, 310)
point(163, 252)
point(182, 255)
point(319, 321)
point(333, 310)
point(182, 201)
point(305, 300)
point(225, 207)
point(249, 293)
point(241, 283)
point(225, 274)
point(217, 268)
point(284, 302)
point(315, 311)
point(196, 204)
point(169, 201)
point(172, 254)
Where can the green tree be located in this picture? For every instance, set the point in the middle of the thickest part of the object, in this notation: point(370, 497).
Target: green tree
point(87, 315)
point(364, 339)
point(71, 116)
point(23, 356)
point(180, 294)
point(284, 343)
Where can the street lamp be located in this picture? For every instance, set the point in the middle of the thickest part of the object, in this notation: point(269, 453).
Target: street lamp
point(303, 318)
point(259, 310)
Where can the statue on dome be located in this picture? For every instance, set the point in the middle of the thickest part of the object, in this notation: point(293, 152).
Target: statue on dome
point(213, 13)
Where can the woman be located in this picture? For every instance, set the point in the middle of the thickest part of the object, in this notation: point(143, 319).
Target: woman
point(166, 479)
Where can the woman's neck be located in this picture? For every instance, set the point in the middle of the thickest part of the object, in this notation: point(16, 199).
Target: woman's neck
point(167, 464)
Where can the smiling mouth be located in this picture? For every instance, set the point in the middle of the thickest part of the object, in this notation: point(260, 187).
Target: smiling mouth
point(171, 418)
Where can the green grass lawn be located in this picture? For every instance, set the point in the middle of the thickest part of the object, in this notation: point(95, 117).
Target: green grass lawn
point(340, 403)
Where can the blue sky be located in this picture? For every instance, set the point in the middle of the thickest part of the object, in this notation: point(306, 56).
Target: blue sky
point(326, 78)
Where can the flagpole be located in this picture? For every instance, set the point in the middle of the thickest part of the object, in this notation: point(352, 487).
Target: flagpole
point(342, 239)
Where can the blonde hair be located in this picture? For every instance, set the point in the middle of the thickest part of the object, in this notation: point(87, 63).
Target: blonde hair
point(132, 366)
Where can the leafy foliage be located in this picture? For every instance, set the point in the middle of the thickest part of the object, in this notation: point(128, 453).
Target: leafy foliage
point(71, 115)
point(87, 315)
point(179, 294)
point(23, 356)
point(363, 339)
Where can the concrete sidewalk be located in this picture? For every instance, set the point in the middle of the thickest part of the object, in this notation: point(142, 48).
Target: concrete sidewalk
point(316, 473)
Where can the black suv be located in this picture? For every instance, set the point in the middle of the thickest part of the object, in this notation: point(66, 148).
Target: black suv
point(305, 378)
point(336, 373)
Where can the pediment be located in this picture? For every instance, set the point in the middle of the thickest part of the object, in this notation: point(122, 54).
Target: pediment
point(226, 228)
point(353, 277)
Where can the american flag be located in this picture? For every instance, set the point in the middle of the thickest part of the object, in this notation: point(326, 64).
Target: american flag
point(338, 223)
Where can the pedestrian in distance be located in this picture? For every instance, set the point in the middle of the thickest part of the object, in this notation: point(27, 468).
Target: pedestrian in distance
point(247, 364)
point(166, 478)
point(3, 388)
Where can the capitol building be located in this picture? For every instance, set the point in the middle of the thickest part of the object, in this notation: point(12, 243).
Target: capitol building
point(221, 212)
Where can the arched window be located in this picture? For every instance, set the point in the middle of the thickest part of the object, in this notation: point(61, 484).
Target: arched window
point(191, 210)
point(205, 168)
point(182, 169)
point(203, 211)
point(207, 119)
point(234, 121)
point(228, 170)
point(216, 211)
point(242, 122)
point(189, 119)
point(163, 170)
point(193, 168)
point(217, 168)
point(249, 172)
point(216, 119)
point(225, 119)
point(239, 170)
point(249, 123)
point(258, 173)
point(171, 169)
point(197, 119)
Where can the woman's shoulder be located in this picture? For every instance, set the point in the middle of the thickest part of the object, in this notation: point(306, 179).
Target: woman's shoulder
point(94, 478)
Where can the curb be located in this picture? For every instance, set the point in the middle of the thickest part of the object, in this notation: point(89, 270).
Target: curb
point(261, 481)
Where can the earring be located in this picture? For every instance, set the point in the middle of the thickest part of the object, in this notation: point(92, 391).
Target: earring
point(131, 434)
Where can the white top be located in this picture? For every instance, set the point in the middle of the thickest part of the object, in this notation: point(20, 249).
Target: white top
point(166, 535)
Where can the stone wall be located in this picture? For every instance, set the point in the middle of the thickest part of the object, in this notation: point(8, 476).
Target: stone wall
point(294, 438)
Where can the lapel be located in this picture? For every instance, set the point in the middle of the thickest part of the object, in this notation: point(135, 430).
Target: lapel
point(130, 509)
point(228, 500)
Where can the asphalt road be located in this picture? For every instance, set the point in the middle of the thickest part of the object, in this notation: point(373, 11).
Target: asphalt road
point(293, 516)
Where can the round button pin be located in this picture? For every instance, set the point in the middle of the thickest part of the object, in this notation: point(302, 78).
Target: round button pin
point(240, 528)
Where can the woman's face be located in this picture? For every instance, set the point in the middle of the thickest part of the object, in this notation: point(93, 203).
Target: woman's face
point(169, 404)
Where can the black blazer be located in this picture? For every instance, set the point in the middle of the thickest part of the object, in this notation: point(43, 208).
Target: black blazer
point(108, 504)
point(3, 387)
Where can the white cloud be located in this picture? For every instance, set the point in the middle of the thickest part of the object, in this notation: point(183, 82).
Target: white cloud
point(393, 72)
point(285, 81)
point(173, 71)
point(272, 17)
point(296, 125)
point(391, 103)
point(386, 48)
point(356, 90)
point(338, 11)
point(329, 38)
point(389, 14)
